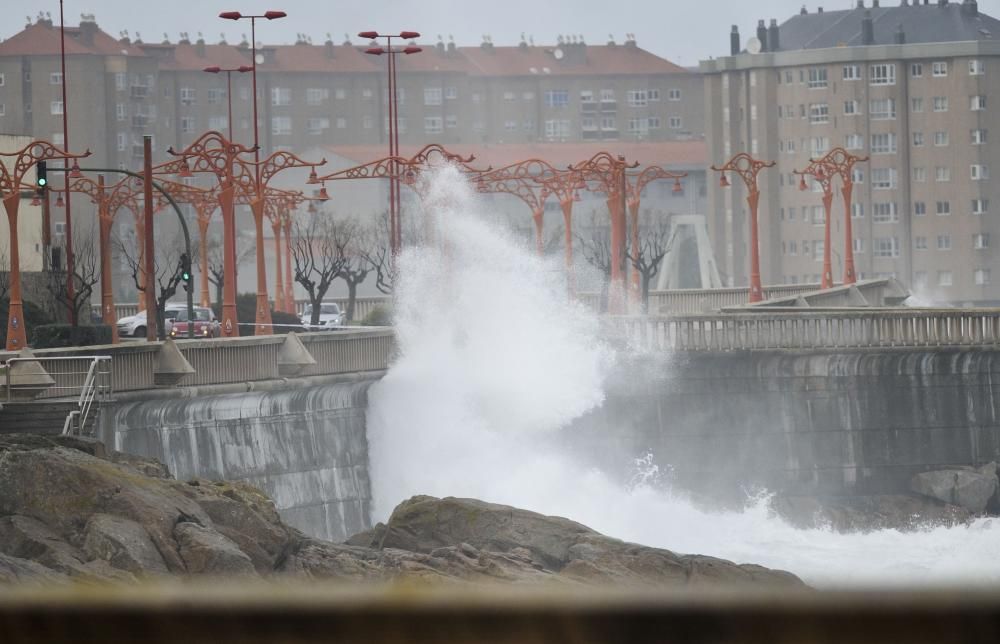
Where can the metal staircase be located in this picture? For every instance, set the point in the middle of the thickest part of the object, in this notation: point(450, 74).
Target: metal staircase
point(54, 395)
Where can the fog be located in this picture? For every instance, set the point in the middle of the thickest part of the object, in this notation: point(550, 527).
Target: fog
point(680, 30)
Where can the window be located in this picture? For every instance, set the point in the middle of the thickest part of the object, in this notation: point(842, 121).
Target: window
point(920, 243)
point(55, 78)
point(528, 125)
point(981, 276)
point(939, 69)
point(980, 206)
point(916, 70)
point(820, 145)
point(919, 209)
point(3, 79)
point(944, 242)
point(819, 113)
point(121, 111)
point(976, 67)
point(638, 126)
point(882, 74)
point(450, 93)
point(919, 175)
point(885, 212)
point(753, 112)
point(636, 98)
point(588, 124)
point(818, 247)
point(979, 172)
point(556, 98)
point(122, 140)
point(281, 125)
point(978, 137)
point(918, 139)
point(608, 124)
point(882, 109)
point(859, 245)
point(433, 124)
point(56, 107)
point(187, 124)
point(317, 125)
point(366, 93)
point(858, 176)
point(511, 125)
point(940, 139)
point(120, 81)
point(942, 173)
point(977, 103)
point(885, 247)
point(675, 123)
point(917, 104)
point(852, 72)
point(854, 142)
point(367, 122)
point(857, 211)
point(281, 96)
point(944, 208)
point(940, 103)
point(509, 96)
point(653, 122)
point(818, 215)
point(450, 121)
point(980, 241)
point(944, 278)
point(557, 128)
point(316, 95)
point(817, 77)
point(432, 96)
point(608, 95)
point(673, 94)
point(851, 108)
point(188, 96)
point(218, 123)
point(528, 96)
point(884, 143)
point(883, 178)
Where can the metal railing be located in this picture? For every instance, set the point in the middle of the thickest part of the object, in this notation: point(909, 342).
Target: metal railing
point(96, 386)
point(70, 376)
point(811, 329)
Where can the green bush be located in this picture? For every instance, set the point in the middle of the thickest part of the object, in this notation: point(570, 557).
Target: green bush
point(378, 316)
point(285, 322)
point(246, 313)
point(64, 335)
point(34, 316)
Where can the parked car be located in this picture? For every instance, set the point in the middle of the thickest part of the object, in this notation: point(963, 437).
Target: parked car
point(330, 316)
point(205, 324)
point(134, 326)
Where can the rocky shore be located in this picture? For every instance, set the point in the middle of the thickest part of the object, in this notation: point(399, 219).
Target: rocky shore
point(72, 511)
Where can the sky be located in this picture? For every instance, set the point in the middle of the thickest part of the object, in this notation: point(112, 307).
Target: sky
point(683, 31)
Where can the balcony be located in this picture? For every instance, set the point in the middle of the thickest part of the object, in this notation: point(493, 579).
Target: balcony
point(588, 107)
point(138, 91)
point(609, 106)
point(141, 121)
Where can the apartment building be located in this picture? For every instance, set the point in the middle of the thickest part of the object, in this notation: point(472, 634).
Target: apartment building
point(912, 86)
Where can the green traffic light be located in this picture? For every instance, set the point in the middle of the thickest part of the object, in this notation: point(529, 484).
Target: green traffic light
point(42, 182)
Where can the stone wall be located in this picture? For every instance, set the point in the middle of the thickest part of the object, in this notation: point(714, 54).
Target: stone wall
point(795, 423)
point(305, 447)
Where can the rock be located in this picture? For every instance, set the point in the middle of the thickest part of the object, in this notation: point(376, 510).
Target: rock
point(124, 544)
point(17, 570)
point(146, 466)
point(866, 513)
point(207, 552)
point(519, 545)
point(970, 488)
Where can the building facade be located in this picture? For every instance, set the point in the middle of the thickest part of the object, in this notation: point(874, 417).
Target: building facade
point(911, 86)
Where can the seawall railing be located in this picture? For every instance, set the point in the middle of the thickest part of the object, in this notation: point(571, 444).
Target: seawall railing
point(812, 329)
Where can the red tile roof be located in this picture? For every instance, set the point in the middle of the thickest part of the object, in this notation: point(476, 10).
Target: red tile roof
point(42, 39)
point(582, 60)
point(687, 154)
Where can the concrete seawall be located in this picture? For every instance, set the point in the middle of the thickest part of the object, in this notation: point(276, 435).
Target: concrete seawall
point(822, 423)
point(304, 446)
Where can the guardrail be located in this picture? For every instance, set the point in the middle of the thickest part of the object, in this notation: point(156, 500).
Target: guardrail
point(64, 377)
point(812, 329)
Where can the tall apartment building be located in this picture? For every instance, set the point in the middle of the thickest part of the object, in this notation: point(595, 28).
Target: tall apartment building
point(913, 86)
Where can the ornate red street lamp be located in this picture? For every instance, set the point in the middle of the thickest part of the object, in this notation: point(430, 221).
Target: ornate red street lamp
point(395, 228)
point(748, 168)
point(204, 201)
point(841, 162)
point(242, 69)
point(819, 172)
point(528, 191)
point(11, 186)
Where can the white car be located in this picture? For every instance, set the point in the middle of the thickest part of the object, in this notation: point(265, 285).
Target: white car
point(134, 326)
point(330, 316)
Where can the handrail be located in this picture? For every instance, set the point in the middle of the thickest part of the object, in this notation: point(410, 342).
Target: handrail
point(87, 395)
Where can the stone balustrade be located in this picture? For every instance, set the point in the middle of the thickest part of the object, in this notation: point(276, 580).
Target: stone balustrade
point(812, 329)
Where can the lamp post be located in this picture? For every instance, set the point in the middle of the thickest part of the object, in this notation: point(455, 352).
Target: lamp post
point(818, 171)
point(242, 69)
point(841, 162)
point(395, 228)
point(70, 286)
point(748, 168)
point(532, 194)
point(11, 185)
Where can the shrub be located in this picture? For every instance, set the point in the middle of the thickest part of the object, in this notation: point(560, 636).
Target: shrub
point(285, 322)
point(46, 336)
point(34, 316)
point(246, 313)
point(378, 316)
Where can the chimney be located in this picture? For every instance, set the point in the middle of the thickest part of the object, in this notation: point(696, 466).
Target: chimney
point(819, 9)
point(734, 41)
point(199, 47)
point(900, 36)
point(328, 48)
point(874, 4)
point(942, 3)
point(970, 8)
point(773, 41)
point(803, 11)
point(867, 29)
point(861, 4)
point(88, 28)
point(762, 35)
point(451, 44)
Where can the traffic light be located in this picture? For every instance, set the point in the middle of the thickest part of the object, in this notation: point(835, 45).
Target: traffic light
point(186, 271)
point(41, 175)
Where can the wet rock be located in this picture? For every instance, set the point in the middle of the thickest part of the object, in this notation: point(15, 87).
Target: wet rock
point(867, 513)
point(124, 544)
point(207, 552)
point(972, 489)
point(17, 570)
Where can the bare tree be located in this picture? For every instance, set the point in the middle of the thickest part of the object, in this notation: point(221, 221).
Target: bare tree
point(165, 279)
point(86, 274)
point(377, 251)
point(654, 242)
point(318, 252)
point(216, 263)
point(356, 240)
